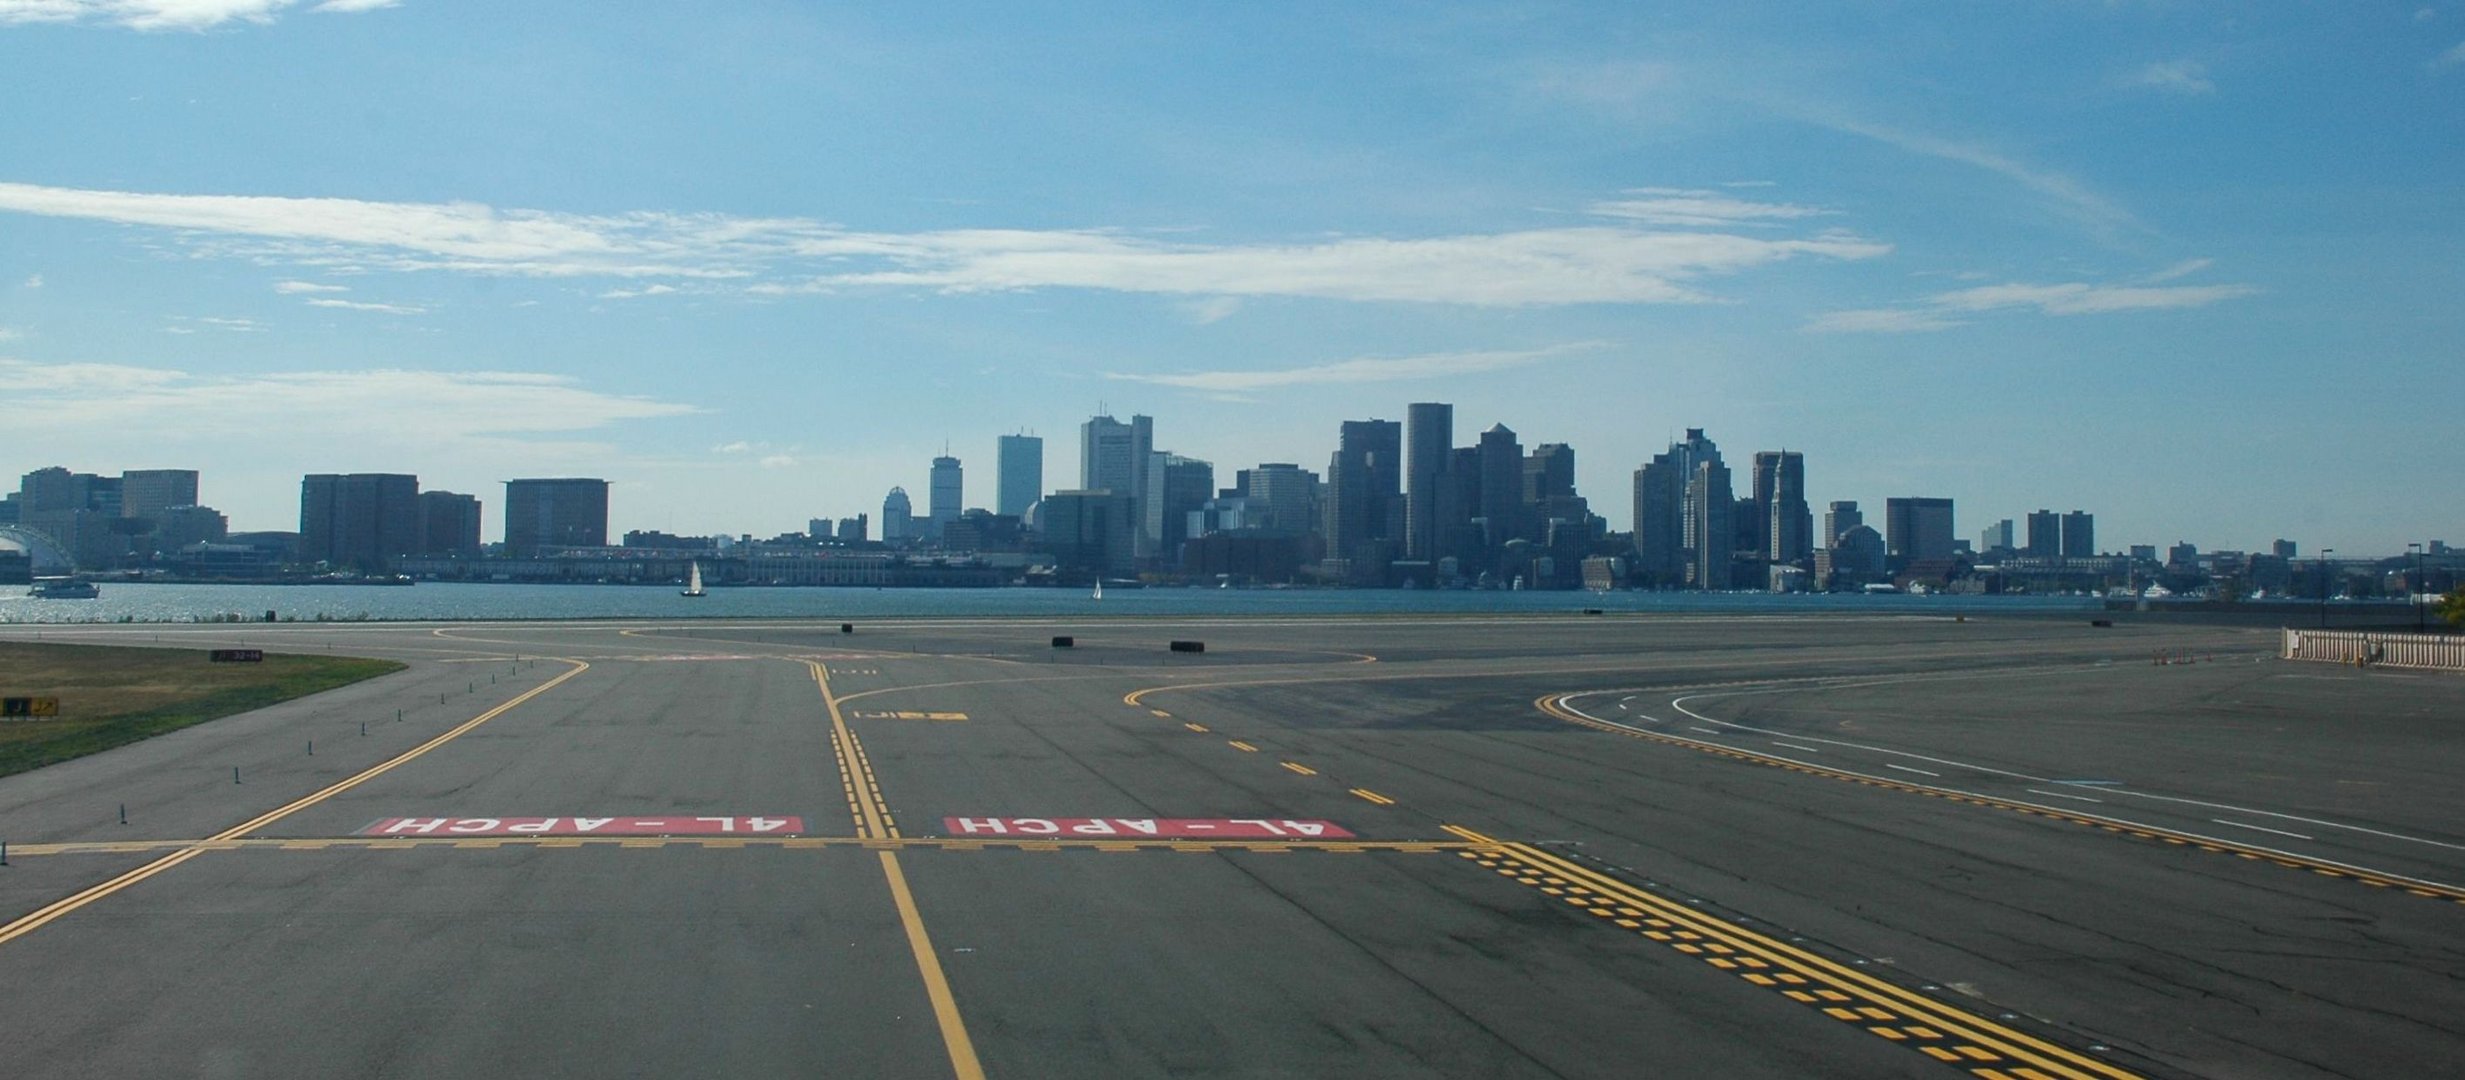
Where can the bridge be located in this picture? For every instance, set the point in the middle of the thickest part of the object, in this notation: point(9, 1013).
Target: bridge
point(46, 552)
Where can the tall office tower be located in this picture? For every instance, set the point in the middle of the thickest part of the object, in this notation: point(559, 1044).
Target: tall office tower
point(1663, 531)
point(855, 530)
point(1112, 455)
point(1841, 517)
point(1502, 485)
point(449, 524)
point(2283, 549)
point(1429, 432)
point(819, 529)
point(1090, 533)
point(897, 517)
point(548, 514)
point(1711, 529)
point(53, 488)
point(1784, 524)
point(1917, 528)
point(1363, 483)
point(1548, 473)
point(146, 493)
point(1289, 495)
point(945, 498)
point(1997, 537)
point(1176, 486)
point(359, 520)
point(2045, 535)
point(1020, 475)
point(2079, 535)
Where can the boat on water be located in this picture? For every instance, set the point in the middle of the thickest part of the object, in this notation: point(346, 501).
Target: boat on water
point(693, 582)
point(64, 589)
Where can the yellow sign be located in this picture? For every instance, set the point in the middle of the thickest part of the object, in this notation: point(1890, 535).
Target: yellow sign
point(29, 708)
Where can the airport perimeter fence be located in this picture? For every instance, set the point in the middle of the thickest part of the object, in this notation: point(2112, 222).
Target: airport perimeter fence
point(2433, 651)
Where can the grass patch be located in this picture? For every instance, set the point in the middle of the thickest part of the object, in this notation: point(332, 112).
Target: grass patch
point(111, 696)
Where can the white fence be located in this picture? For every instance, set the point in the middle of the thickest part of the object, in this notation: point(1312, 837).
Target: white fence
point(2389, 650)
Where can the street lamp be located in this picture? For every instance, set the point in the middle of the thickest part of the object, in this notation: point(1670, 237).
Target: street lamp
point(2414, 585)
point(2324, 553)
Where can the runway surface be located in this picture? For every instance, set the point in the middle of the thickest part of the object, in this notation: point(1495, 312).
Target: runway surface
point(1569, 846)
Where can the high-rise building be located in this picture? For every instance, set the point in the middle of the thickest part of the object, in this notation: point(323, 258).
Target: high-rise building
point(146, 493)
point(820, 529)
point(1666, 527)
point(945, 498)
point(1502, 485)
point(1711, 528)
point(2079, 535)
point(855, 530)
point(1019, 478)
point(1285, 494)
point(361, 521)
point(543, 515)
point(1549, 473)
point(1176, 486)
point(897, 517)
point(1783, 523)
point(1997, 537)
point(1113, 455)
point(1429, 431)
point(1917, 528)
point(1090, 533)
point(1364, 478)
point(449, 524)
point(2283, 549)
point(1841, 517)
point(2045, 535)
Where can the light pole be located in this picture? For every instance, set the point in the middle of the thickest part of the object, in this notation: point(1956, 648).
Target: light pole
point(2414, 585)
point(2324, 553)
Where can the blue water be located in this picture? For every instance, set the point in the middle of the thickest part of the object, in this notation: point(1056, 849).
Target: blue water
point(449, 601)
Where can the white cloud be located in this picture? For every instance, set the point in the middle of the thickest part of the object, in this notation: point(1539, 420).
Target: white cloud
point(407, 406)
point(1684, 207)
point(183, 324)
point(778, 461)
point(34, 281)
point(2453, 57)
point(2076, 298)
point(293, 288)
point(8, 333)
point(362, 305)
point(2174, 76)
point(166, 14)
point(737, 447)
point(1359, 370)
point(628, 294)
point(2184, 268)
point(1212, 310)
point(1879, 321)
point(2075, 197)
point(1594, 264)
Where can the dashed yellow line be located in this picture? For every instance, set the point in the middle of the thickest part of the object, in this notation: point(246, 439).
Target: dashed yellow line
point(1373, 796)
point(1161, 713)
point(865, 803)
point(1554, 705)
point(1888, 1011)
point(1299, 768)
point(1242, 746)
point(1199, 728)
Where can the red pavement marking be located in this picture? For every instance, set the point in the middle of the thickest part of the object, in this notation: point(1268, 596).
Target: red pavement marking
point(586, 826)
point(1135, 828)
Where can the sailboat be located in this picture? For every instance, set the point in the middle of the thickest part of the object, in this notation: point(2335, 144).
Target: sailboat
point(1099, 589)
point(693, 581)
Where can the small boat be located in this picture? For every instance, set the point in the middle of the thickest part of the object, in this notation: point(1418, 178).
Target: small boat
point(1099, 589)
point(64, 589)
point(693, 581)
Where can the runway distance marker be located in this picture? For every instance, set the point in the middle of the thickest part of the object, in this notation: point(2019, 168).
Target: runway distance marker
point(1191, 828)
point(585, 826)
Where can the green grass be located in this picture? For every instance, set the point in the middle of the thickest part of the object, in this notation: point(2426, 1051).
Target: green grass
point(111, 696)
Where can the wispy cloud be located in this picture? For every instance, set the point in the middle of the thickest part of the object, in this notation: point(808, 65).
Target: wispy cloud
point(2454, 57)
point(2074, 197)
point(1360, 370)
point(167, 14)
point(738, 447)
point(10, 333)
point(295, 288)
point(779, 461)
point(185, 324)
point(1214, 309)
point(1940, 311)
point(409, 405)
point(34, 281)
point(1880, 321)
point(646, 290)
point(2173, 76)
point(1685, 207)
point(1591, 264)
point(363, 305)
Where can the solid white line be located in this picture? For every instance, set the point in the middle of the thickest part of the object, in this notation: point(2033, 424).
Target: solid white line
point(1706, 730)
point(1904, 768)
point(2259, 828)
point(2060, 795)
point(1794, 746)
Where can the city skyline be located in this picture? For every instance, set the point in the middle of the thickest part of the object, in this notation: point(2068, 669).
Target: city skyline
point(2155, 262)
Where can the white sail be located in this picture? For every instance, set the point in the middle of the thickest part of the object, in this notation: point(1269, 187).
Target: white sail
point(693, 580)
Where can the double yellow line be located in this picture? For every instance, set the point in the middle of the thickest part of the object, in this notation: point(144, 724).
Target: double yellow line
point(48, 913)
point(1983, 1047)
point(874, 824)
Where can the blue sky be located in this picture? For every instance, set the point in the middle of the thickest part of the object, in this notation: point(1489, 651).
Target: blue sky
point(2192, 267)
